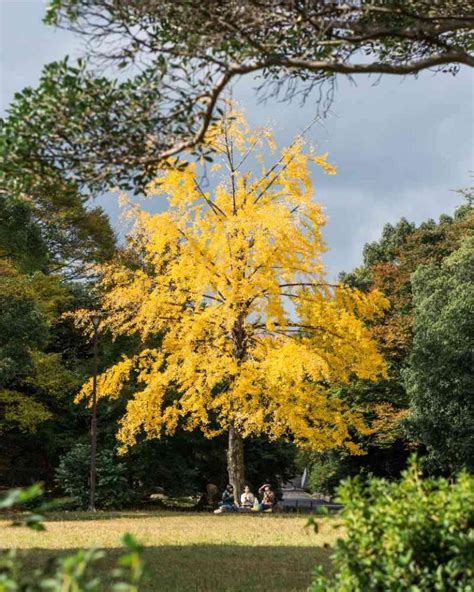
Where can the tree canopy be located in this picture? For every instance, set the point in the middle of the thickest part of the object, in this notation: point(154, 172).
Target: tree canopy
point(439, 378)
point(176, 59)
point(205, 45)
point(390, 263)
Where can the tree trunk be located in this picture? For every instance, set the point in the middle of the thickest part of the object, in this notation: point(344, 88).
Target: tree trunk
point(235, 463)
point(235, 451)
point(93, 475)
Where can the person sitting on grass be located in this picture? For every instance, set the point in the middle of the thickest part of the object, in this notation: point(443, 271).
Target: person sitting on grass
point(268, 498)
point(247, 500)
point(228, 501)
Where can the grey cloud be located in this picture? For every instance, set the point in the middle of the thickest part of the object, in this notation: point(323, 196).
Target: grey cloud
point(400, 146)
point(27, 44)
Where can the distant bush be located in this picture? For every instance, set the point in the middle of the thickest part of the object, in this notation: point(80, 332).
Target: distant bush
point(112, 487)
point(325, 473)
point(416, 534)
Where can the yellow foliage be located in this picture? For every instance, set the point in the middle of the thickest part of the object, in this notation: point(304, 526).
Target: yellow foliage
point(21, 410)
point(387, 425)
point(252, 334)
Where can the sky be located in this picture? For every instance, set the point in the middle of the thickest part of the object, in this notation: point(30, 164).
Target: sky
point(402, 146)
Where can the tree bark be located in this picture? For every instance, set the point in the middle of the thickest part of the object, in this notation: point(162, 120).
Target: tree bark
point(235, 450)
point(93, 475)
point(235, 462)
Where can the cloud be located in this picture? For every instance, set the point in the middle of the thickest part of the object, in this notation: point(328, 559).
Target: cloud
point(401, 146)
point(27, 45)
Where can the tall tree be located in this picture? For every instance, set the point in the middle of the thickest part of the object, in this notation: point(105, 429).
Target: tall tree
point(439, 378)
point(31, 376)
point(253, 335)
point(49, 235)
point(389, 265)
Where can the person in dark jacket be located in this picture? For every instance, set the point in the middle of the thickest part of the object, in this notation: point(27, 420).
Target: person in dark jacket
point(228, 501)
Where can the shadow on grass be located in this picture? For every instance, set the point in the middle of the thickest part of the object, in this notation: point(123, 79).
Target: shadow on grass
point(72, 515)
point(214, 568)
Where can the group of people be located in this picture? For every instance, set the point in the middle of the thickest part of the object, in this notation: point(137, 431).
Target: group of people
point(248, 501)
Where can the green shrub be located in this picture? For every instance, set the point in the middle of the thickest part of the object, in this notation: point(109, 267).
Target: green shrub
point(77, 572)
point(326, 471)
point(112, 487)
point(413, 535)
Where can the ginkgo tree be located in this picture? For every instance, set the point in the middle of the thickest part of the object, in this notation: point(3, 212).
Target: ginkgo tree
point(251, 334)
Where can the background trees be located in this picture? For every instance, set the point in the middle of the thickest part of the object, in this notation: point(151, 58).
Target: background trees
point(392, 265)
point(439, 376)
point(49, 237)
point(44, 359)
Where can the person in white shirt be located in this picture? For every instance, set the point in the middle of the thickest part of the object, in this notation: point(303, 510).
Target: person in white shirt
point(247, 499)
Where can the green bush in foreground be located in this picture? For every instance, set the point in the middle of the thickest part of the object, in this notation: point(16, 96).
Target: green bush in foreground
point(74, 573)
point(414, 535)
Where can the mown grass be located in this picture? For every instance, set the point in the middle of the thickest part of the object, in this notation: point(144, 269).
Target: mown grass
point(189, 551)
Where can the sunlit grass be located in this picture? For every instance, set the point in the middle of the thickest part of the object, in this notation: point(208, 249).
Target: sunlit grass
point(189, 551)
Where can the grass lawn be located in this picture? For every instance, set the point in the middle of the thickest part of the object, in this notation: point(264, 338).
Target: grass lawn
point(189, 551)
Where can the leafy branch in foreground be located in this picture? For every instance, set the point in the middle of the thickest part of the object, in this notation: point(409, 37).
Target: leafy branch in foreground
point(180, 57)
point(19, 498)
point(73, 573)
